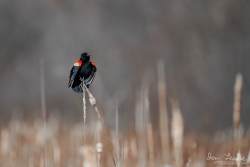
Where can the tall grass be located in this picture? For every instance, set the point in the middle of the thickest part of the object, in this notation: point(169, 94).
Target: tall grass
point(149, 144)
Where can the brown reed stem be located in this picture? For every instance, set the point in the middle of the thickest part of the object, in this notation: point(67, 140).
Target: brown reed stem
point(163, 116)
point(177, 134)
point(237, 104)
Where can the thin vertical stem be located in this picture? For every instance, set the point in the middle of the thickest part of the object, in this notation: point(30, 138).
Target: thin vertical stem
point(43, 108)
point(163, 116)
point(92, 101)
point(177, 134)
point(42, 91)
point(84, 114)
point(117, 144)
point(237, 104)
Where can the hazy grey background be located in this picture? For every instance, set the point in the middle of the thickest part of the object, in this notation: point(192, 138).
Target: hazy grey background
point(203, 44)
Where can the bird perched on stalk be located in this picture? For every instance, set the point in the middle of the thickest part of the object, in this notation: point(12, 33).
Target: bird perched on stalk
point(82, 72)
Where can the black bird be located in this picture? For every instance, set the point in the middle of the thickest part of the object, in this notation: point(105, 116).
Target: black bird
point(82, 72)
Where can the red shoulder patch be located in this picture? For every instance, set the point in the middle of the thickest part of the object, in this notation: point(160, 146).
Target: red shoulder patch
point(78, 63)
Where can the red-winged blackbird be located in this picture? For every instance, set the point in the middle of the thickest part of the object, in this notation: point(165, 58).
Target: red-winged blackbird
point(82, 72)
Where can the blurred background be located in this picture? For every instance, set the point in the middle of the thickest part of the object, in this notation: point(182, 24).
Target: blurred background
point(202, 43)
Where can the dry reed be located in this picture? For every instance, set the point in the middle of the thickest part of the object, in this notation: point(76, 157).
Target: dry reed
point(237, 105)
point(177, 134)
point(163, 116)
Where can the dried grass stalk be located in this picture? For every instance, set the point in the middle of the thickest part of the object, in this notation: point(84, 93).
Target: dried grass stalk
point(150, 138)
point(99, 144)
point(237, 104)
point(238, 159)
point(92, 101)
point(84, 108)
point(117, 139)
point(42, 91)
point(141, 122)
point(84, 114)
point(177, 134)
point(163, 116)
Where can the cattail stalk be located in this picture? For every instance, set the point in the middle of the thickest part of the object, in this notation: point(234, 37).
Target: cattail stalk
point(163, 117)
point(99, 126)
point(177, 135)
point(84, 110)
point(84, 107)
point(141, 117)
point(248, 158)
point(44, 109)
point(117, 143)
point(147, 123)
point(56, 153)
point(92, 101)
point(99, 145)
point(42, 90)
point(237, 104)
point(238, 159)
point(150, 138)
